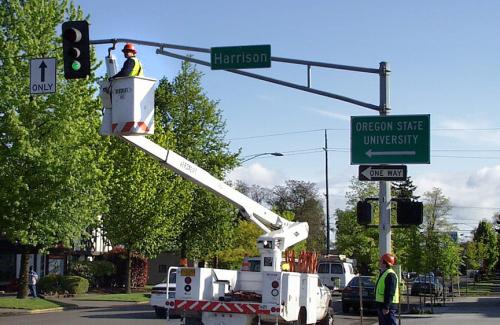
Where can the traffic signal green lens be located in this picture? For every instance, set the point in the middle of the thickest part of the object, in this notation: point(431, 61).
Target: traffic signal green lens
point(76, 65)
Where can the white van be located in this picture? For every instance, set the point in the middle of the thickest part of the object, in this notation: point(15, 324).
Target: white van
point(335, 271)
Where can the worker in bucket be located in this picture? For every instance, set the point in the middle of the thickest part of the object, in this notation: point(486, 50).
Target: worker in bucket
point(132, 66)
point(387, 291)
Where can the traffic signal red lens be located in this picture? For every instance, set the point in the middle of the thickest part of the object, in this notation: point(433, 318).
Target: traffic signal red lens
point(72, 35)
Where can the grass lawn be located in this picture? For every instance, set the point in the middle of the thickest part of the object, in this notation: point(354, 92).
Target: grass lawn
point(29, 303)
point(478, 289)
point(125, 297)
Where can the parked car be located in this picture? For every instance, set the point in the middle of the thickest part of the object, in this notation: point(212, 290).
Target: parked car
point(426, 285)
point(159, 295)
point(350, 294)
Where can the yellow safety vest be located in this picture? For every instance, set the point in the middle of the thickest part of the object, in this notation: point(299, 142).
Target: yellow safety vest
point(137, 70)
point(380, 288)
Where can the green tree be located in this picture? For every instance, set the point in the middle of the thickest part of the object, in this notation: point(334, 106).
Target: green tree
point(198, 130)
point(436, 207)
point(355, 240)
point(302, 199)
point(51, 156)
point(486, 235)
point(147, 203)
point(474, 254)
point(244, 243)
point(407, 242)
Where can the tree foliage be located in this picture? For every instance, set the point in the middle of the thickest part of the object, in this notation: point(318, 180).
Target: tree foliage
point(198, 131)
point(302, 199)
point(407, 242)
point(355, 240)
point(435, 229)
point(51, 156)
point(485, 234)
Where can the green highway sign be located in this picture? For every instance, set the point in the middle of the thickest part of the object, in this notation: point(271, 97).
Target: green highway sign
point(394, 139)
point(240, 57)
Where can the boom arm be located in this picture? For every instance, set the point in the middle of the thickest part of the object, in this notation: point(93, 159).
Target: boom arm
point(280, 233)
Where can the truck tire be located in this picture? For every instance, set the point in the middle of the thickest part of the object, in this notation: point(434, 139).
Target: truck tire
point(328, 320)
point(192, 321)
point(302, 320)
point(160, 312)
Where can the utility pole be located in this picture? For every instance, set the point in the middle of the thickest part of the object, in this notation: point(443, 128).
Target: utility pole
point(384, 237)
point(327, 197)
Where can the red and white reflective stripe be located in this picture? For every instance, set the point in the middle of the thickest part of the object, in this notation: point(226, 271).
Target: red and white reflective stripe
point(127, 127)
point(223, 307)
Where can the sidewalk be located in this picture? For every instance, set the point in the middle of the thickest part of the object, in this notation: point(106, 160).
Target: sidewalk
point(76, 304)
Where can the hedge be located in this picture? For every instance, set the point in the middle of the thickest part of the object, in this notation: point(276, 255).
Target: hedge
point(75, 284)
point(55, 283)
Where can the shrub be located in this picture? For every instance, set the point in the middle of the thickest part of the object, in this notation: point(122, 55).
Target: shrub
point(55, 283)
point(75, 284)
point(103, 268)
point(83, 269)
point(50, 284)
point(97, 272)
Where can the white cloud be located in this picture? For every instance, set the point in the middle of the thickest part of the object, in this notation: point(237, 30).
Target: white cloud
point(330, 114)
point(462, 131)
point(473, 194)
point(257, 174)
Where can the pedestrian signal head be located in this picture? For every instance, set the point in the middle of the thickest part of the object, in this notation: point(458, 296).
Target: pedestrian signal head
point(410, 213)
point(129, 47)
point(389, 259)
point(364, 213)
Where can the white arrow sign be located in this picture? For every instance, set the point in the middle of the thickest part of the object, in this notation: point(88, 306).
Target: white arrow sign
point(371, 153)
point(382, 173)
point(43, 76)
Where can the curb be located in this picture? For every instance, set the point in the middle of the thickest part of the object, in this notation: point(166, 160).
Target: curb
point(23, 312)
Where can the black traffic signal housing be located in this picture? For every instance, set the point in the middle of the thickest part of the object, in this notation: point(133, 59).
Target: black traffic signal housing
point(364, 213)
point(76, 49)
point(410, 212)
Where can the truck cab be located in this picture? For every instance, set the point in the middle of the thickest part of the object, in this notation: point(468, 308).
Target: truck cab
point(335, 271)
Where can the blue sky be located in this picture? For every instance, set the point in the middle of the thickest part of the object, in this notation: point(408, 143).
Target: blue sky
point(444, 57)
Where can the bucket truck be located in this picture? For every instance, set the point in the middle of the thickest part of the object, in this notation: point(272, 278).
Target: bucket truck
point(215, 296)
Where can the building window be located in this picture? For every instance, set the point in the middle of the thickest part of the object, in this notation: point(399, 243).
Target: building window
point(162, 268)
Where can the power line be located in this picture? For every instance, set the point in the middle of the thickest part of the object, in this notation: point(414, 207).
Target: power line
point(344, 129)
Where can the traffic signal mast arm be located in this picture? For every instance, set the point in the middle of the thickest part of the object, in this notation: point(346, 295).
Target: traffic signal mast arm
point(279, 232)
point(381, 71)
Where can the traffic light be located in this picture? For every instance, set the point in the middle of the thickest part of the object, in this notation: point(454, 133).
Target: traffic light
point(364, 213)
point(410, 213)
point(76, 49)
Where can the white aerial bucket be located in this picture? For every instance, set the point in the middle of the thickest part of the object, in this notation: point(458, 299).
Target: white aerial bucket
point(106, 122)
point(104, 93)
point(132, 100)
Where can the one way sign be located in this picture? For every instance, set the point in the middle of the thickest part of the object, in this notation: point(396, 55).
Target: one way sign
point(43, 76)
point(382, 172)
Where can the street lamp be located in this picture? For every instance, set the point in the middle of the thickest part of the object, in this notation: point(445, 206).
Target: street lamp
point(276, 154)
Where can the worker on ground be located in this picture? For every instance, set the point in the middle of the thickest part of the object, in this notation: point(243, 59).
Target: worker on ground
point(387, 291)
point(132, 66)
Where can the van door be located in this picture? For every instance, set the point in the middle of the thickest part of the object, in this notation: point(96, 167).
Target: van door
point(329, 274)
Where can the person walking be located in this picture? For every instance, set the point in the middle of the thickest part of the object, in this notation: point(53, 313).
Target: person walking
point(32, 281)
point(132, 67)
point(387, 291)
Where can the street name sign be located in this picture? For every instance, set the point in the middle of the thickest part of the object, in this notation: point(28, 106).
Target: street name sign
point(394, 139)
point(240, 57)
point(382, 172)
point(43, 76)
